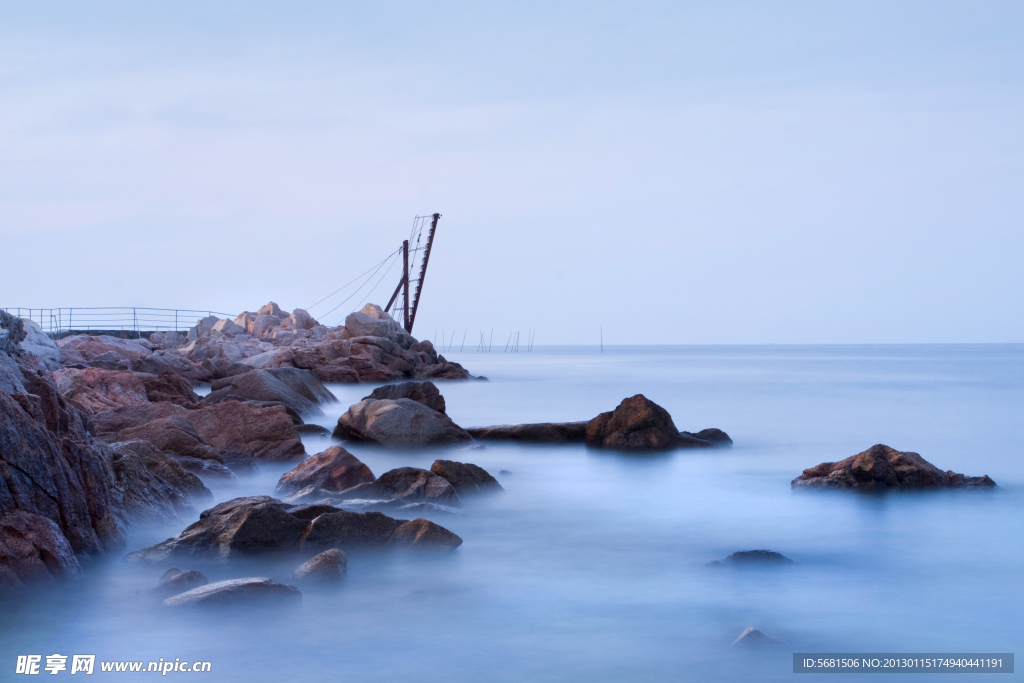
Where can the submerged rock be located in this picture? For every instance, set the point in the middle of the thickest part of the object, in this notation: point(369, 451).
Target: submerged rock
point(398, 422)
point(421, 392)
point(260, 524)
point(753, 638)
point(175, 581)
point(636, 424)
point(324, 474)
point(33, 549)
point(880, 468)
point(542, 432)
point(407, 484)
point(330, 565)
point(465, 477)
point(236, 591)
point(753, 557)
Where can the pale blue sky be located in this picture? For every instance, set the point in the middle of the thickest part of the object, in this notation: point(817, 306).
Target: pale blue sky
point(702, 173)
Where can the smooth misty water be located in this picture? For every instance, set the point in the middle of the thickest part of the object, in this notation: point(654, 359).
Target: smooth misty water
point(590, 566)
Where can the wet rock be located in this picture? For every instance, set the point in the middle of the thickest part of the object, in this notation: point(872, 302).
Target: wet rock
point(753, 638)
point(236, 591)
point(465, 478)
point(505, 473)
point(141, 495)
point(175, 434)
point(261, 524)
point(312, 430)
point(880, 468)
point(421, 392)
point(298, 389)
point(165, 467)
point(324, 474)
point(33, 549)
point(421, 534)
point(753, 557)
point(407, 484)
point(330, 565)
point(716, 437)
point(174, 582)
point(542, 432)
point(398, 422)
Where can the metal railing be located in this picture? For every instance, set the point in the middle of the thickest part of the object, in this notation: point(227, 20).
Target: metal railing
point(60, 322)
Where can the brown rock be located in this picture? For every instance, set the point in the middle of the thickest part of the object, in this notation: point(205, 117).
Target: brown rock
point(465, 478)
point(407, 484)
point(33, 548)
point(881, 467)
point(174, 582)
point(296, 388)
point(325, 474)
point(330, 565)
point(169, 386)
point(235, 592)
point(398, 422)
point(94, 390)
point(637, 424)
point(421, 392)
point(542, 432)
point(263, 433)
point(422, 534)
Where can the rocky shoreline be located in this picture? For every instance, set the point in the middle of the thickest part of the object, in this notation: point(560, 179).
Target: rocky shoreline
point(97, 433)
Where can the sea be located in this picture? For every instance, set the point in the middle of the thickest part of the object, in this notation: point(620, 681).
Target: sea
point(593, 566)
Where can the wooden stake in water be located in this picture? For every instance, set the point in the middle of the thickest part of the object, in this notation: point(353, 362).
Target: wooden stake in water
point(602, 338)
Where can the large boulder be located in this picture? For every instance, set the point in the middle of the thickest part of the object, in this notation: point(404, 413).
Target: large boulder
point(542, 432)
point(234, 592)
point(296, 388)
point(465, 477)
point(174, 582)
point(103, 351)
point(323, 475)
point(175, 434)
point(164, 466)
point(409, 485)
point(636, 424)
point(141, 495)
point(421, 392)
point(263, 433)
point(33, 549)
point(880, 468)
point(398, 422)
point(260, 524)
point(170, 386)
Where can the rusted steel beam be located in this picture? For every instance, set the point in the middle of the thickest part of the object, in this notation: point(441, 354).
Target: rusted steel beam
point(423, 274)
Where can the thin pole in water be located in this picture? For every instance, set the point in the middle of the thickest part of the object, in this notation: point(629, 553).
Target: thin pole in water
point(602, 338)
point(463, 341)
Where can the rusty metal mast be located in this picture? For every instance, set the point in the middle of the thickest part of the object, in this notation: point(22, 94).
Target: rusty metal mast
point(409, 311)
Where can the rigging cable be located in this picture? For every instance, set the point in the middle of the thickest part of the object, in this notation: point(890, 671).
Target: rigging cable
point(362, 285)
point(377, 266)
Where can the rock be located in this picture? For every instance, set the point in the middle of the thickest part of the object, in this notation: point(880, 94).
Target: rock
point(167, 340)
point(164, 361)
point(753, 638)
point(172, 387)
point(174, 582)
point(465, 477)
point(505, 473)
point(324, 474)
point(165, 467)
point(141, 495)
point(880, 468)
point(260, 524)
point(637, 424)
point(12, 333)
point(34, 549)
point(272, 309)
point(176, 435)
point(543, 432)
point(303, 320)
point(94, 390)
point(715, 437)
point(263, 433)
point(421, 392)
point(39, 343)
point(227, 328)
point(262, 325)
point(312, 430)
point(236, 591)
point(50, 466)
point(398, 422)
point(330, 565)
point(421, 534)
point(407, 484)
point(362, 325)
point(298, 389)
point(103, 351)
point(753, 557)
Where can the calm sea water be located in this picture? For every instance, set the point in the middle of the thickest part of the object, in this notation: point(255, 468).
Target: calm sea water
point(590, 567)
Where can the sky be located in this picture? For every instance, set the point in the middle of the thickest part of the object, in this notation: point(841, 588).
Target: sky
point(659, 173)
